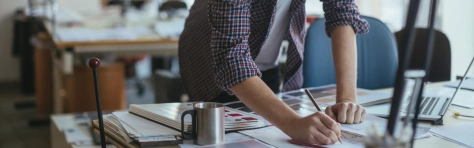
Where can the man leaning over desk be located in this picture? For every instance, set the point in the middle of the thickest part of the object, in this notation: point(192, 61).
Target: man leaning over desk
point(229, 51)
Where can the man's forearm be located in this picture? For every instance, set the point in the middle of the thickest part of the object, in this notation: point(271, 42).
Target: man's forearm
point(345, 61)
point(256, 95)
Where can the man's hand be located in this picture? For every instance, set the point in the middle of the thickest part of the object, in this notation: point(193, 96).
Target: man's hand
point(344, 52)
point(346, 112)
point(317, 128)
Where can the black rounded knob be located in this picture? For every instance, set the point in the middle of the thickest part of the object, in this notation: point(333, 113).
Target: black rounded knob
point(94, 62)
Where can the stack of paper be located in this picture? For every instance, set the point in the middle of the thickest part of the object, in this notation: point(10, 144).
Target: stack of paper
point(138, 127)
point(170, 114)
point(111, 122)
point(113, 137)
point(78, 136)
point(462, 135)
point(145, 133)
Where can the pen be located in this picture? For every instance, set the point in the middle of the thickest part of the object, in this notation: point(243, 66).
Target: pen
point(317, 106)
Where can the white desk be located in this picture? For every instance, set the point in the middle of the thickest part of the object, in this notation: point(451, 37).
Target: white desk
point(60, 122)
point(58, 138)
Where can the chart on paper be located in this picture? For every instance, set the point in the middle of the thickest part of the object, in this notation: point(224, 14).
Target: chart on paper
point(275, 137)
point(362, 128)
point(352, 139)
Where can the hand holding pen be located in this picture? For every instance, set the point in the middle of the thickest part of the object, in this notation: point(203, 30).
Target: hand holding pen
point(319, 109)
point(315, 129)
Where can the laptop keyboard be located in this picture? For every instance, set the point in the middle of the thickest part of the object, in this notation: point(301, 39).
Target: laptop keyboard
point(427, 105)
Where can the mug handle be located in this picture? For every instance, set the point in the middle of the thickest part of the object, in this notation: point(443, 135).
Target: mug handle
point(193, 125)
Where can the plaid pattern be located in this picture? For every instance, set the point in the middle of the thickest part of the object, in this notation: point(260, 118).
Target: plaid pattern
point(222, 38)
point(334, 17)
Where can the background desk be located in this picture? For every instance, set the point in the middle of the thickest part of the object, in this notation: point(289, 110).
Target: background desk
point(63, 55)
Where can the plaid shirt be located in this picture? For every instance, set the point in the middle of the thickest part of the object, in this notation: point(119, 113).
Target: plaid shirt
point(222, 38)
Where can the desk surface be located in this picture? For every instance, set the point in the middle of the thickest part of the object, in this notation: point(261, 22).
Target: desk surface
point(140, 40)
point(148, 39)
point(64, 121)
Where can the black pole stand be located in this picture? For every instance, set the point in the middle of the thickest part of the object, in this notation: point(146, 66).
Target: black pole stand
point(405, 54)
point(427, 66)
point(94, 63)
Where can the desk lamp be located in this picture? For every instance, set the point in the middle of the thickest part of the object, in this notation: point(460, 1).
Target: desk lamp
point(94, 63)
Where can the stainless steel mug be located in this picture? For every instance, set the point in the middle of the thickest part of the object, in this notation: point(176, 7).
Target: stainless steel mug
point(207, 123)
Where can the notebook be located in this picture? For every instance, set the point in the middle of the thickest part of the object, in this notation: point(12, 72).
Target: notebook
point(169, 114)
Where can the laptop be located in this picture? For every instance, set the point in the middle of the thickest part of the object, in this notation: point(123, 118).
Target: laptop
point(432, 108)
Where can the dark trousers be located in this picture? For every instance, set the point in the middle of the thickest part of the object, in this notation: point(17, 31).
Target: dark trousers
point(271, 77)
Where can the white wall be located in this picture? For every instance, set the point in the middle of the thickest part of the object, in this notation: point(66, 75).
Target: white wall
point(314, 7)
point(457, 22)
point(9, 66)
point(455, 19)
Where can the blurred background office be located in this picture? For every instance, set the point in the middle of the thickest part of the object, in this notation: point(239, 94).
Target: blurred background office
point(46, 43)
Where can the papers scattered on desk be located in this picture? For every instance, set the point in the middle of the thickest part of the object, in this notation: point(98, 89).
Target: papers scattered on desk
point(78, 34)
point(381, 125)
point(134, 128)
point(271, 135)
point(467, 84)
point(114, 137)
point(63, 15)
point(353, 135)
point(240, 144)
point(275, 137)
point(230, 140)
point(463, 135)
point(463, 98)
point(78, 136)
point(170, 114)
point(170, 28)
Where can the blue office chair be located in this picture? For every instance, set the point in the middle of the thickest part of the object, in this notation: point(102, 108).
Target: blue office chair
point(376, 51)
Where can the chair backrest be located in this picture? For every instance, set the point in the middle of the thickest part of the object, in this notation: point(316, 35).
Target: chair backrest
point(376, 52)
point(440, 69)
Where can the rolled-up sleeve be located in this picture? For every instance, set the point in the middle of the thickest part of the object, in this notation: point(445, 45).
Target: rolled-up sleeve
point(343, 12)
point(231, 59)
